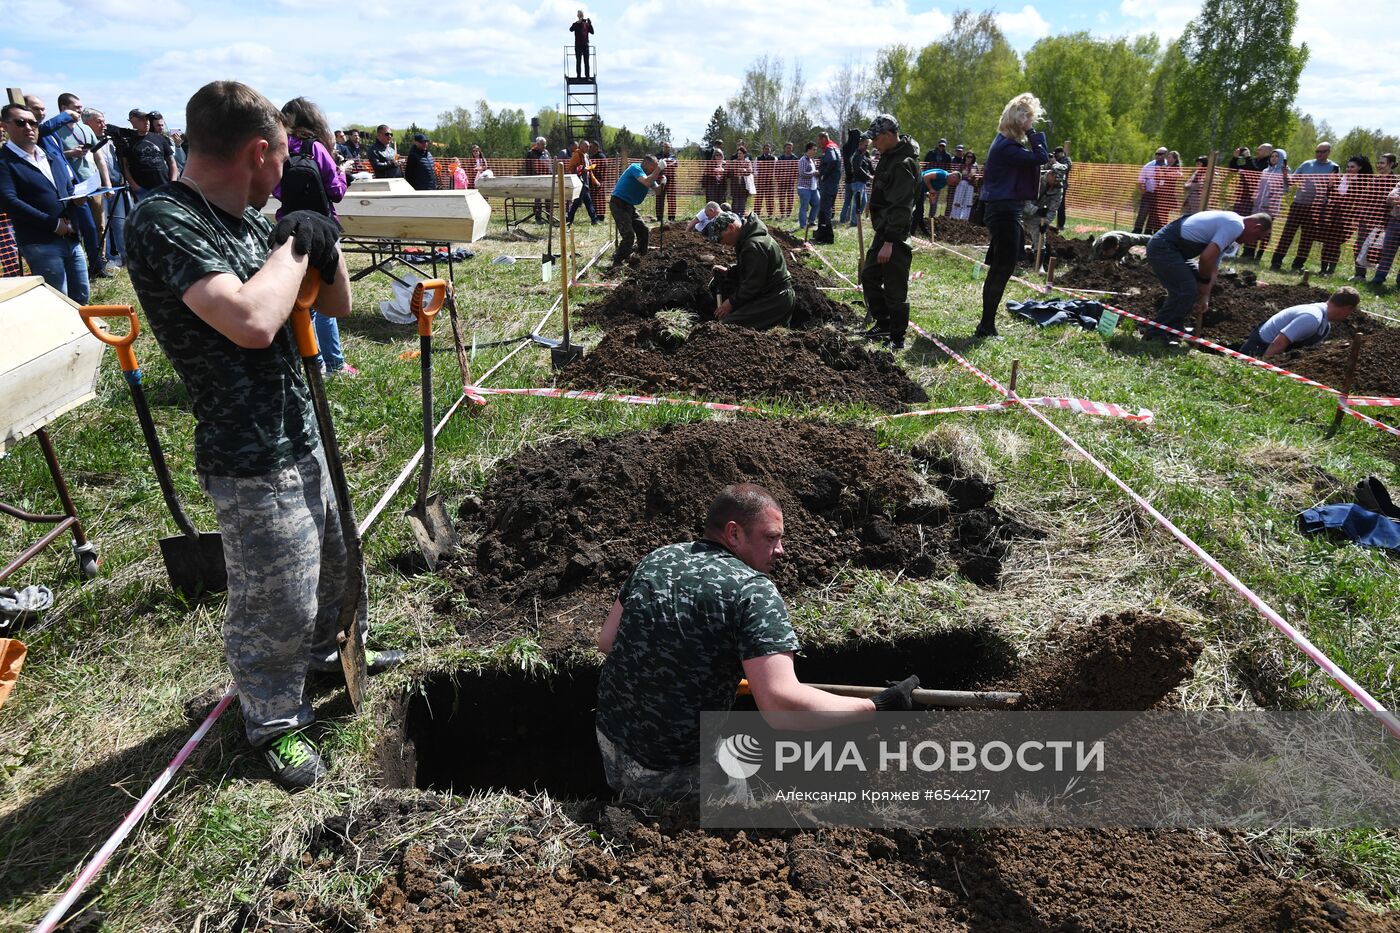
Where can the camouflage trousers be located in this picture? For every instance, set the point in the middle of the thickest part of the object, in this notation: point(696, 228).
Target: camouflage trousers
point(286, 575)
point(635, 781)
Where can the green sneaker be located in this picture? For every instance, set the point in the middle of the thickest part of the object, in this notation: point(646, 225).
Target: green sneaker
point(294, 761)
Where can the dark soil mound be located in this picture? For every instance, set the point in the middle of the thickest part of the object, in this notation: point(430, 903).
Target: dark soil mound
point(562, 525)
point(1377, 368)
point(733, 364)
point(959, 232)
point(678, 275)
point(1125, 662)
point(665, 878)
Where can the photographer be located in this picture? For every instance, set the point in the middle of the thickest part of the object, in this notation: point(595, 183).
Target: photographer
point(149, 159)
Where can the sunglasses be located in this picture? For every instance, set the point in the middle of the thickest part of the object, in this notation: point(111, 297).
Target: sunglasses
point(19, 121)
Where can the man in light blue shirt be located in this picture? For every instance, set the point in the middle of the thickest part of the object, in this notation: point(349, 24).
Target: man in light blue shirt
point(630, 191)
point(1301, 325)
point(1309, 204)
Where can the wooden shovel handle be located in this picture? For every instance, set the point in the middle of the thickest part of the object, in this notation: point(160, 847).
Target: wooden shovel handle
point(126, 356)
point(425, 314)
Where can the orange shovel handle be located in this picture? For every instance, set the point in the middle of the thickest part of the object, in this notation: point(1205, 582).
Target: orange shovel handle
point(425, 314)
point(301, 315)
point(125, 355)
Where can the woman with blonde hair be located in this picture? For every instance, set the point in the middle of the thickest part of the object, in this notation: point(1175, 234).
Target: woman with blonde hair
point(1010, 178)
point(309, 133)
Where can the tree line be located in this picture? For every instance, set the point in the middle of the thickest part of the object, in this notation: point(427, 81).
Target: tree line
point(1230, 80)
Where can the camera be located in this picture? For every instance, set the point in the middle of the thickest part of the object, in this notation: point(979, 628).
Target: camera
point(122, 138)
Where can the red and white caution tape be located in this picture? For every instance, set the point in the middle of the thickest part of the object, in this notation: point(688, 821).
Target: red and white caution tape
point(813, 250)
point(1364, 400)
point(1192, 338)
point(1082, 406)
point(1348, 410)
point(90, 870)
point(1330, 667)
point(584, 396)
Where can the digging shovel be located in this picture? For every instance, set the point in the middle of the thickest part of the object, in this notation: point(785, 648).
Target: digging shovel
point(194, 562)
point(965, 699)
point(427, 517)
point(350, 639)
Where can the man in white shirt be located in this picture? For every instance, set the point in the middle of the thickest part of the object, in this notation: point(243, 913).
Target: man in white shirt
point(1147, 184)
point(1185, 256)
point(702, 220)
point(1301, 325)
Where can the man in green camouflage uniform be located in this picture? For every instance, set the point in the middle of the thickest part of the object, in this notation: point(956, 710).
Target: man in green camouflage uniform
point(762, 296)
point(690, 621)
point(218, 284)
point(1039, 213)
point(884, 279)
point(1116, 244)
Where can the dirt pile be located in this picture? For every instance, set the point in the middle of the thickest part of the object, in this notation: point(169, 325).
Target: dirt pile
point(664, 878)
point(959, 232)
point(678, 275)
point(1124, 662)
point(563, 524)
point(733, 364)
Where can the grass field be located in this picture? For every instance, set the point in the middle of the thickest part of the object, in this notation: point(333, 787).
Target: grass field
point(1232, 456)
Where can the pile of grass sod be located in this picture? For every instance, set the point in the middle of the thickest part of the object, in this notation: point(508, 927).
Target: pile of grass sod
point(117, 664)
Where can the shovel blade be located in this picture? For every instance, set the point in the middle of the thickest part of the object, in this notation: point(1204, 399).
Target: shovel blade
point(195, 564)
point(433, 531)
point(352, 662)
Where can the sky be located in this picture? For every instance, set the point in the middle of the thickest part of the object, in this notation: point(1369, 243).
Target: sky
point(372, 61)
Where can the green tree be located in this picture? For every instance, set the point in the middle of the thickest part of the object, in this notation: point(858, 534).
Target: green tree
point(625, 141)
point(1239, 75)
point(888, 87)
point(719, 127)
point(1068, 74)
point(845, 98)
point(962, 82)
point(1361, 141)
point(655, 134)
point(769, 107)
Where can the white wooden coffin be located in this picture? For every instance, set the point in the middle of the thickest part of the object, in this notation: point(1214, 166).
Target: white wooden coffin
point(48, 360)
point(448, 216)
point(529, 186)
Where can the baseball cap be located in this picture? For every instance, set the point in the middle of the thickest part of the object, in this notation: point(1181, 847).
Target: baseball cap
point(419, 138)
point(884, 123)
point(960, 147)
point(137, 112)
point(722, 222)
point(1162, 150)
point(943, 142)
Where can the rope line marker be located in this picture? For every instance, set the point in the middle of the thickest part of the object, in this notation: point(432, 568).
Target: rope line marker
point(1328, 666)
point(1381, 425)
point(1192, 338)
point(128, 823)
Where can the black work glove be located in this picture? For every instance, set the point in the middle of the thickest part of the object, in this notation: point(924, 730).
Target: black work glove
point(314, 236)
point(897, 696)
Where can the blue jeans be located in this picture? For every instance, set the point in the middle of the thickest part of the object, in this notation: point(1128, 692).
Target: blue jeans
point(328, 341)
point(1388, 247)
point(808, 201)
point(62, 264)
point(854, 203)
point(117, 207)
point(87, 229)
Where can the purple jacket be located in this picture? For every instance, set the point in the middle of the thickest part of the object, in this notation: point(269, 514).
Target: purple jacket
point(1012, 172)
point(334, 181)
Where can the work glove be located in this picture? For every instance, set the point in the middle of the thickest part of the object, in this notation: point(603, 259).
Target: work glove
point(314, 236)
point(897, 696)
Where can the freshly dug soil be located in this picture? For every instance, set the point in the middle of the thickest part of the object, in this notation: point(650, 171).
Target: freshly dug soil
point(678, 274)
point(732, 364)
point(665, 878)
point(559, 527)
point(1377, 368)
point(1125, 662)
point(959, 232)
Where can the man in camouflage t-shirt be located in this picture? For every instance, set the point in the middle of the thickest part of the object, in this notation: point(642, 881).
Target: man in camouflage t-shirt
point(218, 284)
point(690, 621)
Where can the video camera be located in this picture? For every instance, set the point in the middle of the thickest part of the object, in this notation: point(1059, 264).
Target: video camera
point(123, 138)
